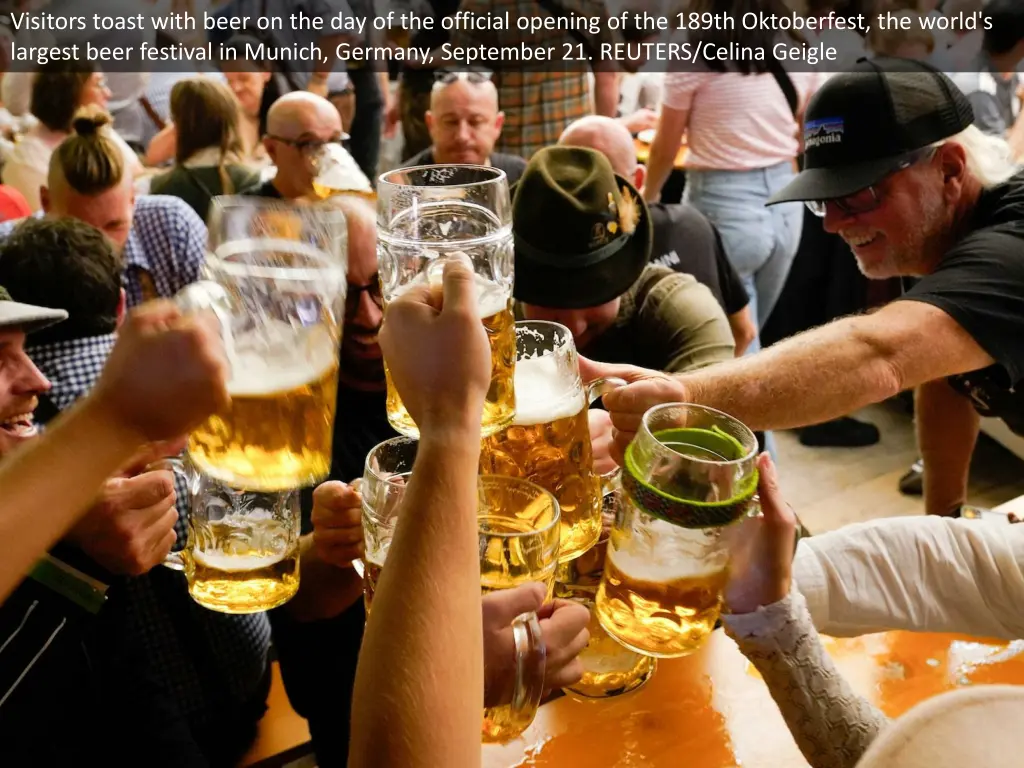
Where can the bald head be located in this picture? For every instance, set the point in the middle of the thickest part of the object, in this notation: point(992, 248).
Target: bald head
point(464, 121)
point(609, 137)
point(301, 110)
point(298, 125)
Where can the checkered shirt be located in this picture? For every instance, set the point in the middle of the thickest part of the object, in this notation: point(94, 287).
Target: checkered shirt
point(205, 660)
point(165, 250)
point(538, 101)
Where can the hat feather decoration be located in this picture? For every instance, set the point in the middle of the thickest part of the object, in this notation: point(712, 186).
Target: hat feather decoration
point(629, 212)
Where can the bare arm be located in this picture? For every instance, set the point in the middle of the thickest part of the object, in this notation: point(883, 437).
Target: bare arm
point(606, 92)
point(835, 369)
point(39, 504)
point(743, 329)
point(947, 429)
point(430, 591)
point(664, 148)
point(419, 692)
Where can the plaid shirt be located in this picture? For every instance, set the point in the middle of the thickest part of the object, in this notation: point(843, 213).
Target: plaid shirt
point(539, 101)
point(207, 661)
point(165, 250)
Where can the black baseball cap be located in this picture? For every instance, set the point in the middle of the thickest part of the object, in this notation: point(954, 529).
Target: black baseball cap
point(864, 124)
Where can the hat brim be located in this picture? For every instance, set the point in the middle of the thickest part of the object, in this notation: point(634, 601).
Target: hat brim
point(840, 181)
point(544, 285)
point(27, 317)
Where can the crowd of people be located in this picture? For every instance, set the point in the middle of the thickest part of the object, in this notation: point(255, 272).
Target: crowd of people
point(108, 182)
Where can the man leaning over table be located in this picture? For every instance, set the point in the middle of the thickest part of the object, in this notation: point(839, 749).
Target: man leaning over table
point(899, 171)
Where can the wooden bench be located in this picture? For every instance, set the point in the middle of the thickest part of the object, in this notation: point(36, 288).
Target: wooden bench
point(283, 735)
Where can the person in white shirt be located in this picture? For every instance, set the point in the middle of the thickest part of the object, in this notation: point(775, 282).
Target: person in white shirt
point(58, 92)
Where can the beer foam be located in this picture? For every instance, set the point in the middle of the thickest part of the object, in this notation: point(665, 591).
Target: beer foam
point(662, 567)
point(491, 298)
point(295, 363)
point(236, 563)
point(544, 393)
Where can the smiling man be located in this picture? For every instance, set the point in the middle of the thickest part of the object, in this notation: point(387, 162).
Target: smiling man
point(899, 171)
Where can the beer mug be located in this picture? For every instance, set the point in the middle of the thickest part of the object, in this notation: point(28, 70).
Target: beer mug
point(518, 528)
point(548, 442)
point(425, 216)
point(337, 172)
point(609, 668)
point(275, 277)
point(242, 552)
point(689, 473)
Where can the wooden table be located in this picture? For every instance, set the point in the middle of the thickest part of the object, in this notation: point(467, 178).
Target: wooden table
point(711, 710)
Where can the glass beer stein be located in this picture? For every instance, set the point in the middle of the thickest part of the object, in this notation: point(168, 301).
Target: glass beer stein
point(548, 442)
point(337, 173)
point(425, 216)
point(518, 528)
point(242, 553)
point(275, 277)
point(609, 668)
point(689, 473)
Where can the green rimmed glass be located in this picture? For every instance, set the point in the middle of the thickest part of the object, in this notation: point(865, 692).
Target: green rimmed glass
point(689, 474)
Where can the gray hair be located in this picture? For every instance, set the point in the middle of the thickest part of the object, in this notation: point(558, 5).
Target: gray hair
point(989, 158)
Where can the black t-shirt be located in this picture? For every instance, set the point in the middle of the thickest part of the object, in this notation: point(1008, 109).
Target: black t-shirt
point(266, 189)
point(360, 423)
point(980, 284)
point(685, 241)
point(512, 165)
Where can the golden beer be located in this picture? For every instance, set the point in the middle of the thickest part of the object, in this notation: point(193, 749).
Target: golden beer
point(499, 404)
point(245, 568)
point(276, 434)
point(549, 444)
point(659, 615)
point(609, 668)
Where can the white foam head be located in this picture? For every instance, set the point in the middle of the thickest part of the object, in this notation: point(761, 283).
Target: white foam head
point(545, 393)
point(672, 558)
point(235, 563)
point(299, 358)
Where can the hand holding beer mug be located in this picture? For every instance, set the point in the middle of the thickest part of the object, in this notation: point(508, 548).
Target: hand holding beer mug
point(276, 281)
point(425, 217)
point(518, 529)
point(242, 553)
point(548, 442)
point(689, 474)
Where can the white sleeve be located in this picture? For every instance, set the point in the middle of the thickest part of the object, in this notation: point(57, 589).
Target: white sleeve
point(928, 574)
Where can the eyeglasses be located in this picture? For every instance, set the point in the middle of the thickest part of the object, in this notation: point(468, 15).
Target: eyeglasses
point(372, 288)
point(309, 146)
point(867, 199)
point(473, 76)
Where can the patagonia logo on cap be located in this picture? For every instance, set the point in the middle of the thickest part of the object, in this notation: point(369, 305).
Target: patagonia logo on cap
point(826, 131)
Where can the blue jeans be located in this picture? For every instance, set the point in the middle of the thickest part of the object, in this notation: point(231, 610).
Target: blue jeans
point(760, 242)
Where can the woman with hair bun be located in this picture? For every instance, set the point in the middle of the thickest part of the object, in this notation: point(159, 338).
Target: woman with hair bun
point(58, 92)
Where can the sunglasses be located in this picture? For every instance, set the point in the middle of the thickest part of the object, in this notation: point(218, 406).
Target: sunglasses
point(309, 146)
point(473, 77)
point(867, 199)
point(372, 289)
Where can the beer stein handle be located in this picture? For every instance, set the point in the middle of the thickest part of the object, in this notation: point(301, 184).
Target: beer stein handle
point(209, 296)
point(600, 387)
point(174, 560)
point(531, 660)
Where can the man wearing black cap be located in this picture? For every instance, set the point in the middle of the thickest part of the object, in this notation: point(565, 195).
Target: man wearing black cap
point(897, 169)
point(582, 243)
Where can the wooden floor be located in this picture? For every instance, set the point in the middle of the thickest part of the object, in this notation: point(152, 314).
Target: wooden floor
point(832, 487)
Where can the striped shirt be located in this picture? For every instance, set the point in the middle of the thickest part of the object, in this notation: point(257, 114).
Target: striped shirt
point(736, 122)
